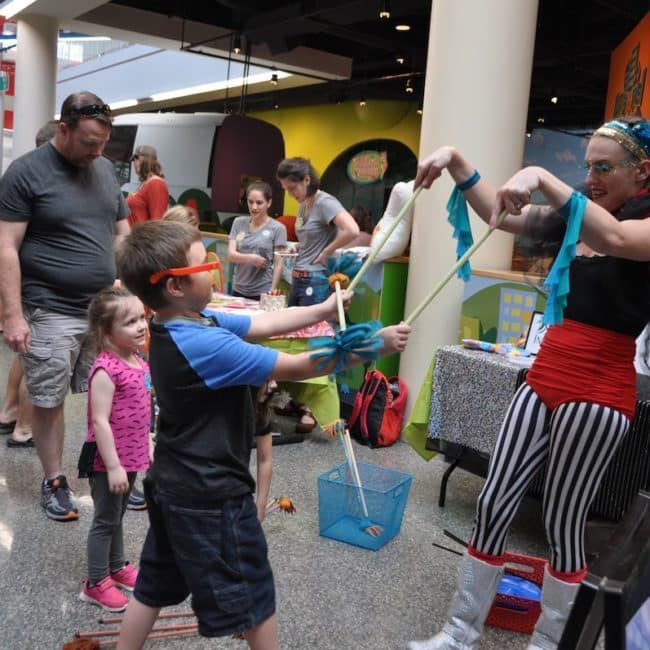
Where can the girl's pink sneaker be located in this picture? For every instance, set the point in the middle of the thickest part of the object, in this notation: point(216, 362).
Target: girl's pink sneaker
point(105, 595)
point(125, 577)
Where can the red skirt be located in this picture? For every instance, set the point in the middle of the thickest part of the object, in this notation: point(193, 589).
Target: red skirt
point(583, 363)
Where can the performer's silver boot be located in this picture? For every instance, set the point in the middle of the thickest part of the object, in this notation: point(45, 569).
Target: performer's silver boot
point(477, 585)
point(557, 600)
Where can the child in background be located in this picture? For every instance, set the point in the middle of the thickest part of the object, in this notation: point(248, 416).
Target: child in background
point(182, 214)
point(366, 225)
point(205, 538)
point(118, 422)
point(264, 445)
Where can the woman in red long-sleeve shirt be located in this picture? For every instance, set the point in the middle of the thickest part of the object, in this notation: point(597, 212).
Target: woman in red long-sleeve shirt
point(150, 201)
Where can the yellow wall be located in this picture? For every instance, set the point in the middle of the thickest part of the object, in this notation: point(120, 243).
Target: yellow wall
point(321, 133)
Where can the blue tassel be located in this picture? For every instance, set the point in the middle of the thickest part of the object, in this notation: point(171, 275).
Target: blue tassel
point(557, 281)
point(347, 263)
point(360, 340)
point(459, 219)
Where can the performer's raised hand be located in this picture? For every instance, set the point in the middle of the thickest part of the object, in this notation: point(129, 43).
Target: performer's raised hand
point(515, 194)
point(431, 167)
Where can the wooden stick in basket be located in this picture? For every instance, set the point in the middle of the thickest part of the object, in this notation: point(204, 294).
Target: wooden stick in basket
point(372, 529)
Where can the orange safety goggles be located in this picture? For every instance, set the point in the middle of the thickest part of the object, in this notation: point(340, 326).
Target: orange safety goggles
point(184, 270)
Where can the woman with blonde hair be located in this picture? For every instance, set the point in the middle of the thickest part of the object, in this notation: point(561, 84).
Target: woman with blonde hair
point(182, 214)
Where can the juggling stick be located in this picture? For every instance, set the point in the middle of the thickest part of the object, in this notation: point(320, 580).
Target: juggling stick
point(109, 620)
point(179, 627)
point(452, 271)
point(383, 239)
point(108, 638)
point(338, 427)
point(366, 524)
point(339, 305)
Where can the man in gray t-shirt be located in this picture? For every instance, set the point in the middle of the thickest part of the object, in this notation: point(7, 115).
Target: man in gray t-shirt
point(61, 214)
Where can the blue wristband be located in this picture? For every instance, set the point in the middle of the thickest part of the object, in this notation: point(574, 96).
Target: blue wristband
point(470, 182)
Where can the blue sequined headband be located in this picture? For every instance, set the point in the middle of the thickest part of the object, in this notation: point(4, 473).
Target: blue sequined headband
point(635, 138)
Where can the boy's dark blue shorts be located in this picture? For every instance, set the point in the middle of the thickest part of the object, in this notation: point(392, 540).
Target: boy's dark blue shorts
point(217, 553)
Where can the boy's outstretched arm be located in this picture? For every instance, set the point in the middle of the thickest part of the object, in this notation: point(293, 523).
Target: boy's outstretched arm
point(294, 367)
point(274, 323)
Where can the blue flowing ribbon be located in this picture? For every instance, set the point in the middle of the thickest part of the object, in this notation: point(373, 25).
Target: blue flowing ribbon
point(359, 340)
point(459, 219)
point(557, 281)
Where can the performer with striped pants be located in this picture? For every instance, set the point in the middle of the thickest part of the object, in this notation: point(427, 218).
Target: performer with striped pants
point(580, 394)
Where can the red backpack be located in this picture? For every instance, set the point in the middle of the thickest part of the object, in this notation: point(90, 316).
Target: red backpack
point(378, 410)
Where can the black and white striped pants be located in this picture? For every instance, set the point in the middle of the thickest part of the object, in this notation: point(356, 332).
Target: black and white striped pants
point(577, 439)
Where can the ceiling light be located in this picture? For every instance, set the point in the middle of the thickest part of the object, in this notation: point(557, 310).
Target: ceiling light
point(400, 59)
point(236, 82)
point(274, 79)
point(362, 101)
point(419, 109)
point(540, 120)
point(236, 48)
point(409, 87)
point(554, 99)
point(276, 105)
point(402, 27)
point(384, 11)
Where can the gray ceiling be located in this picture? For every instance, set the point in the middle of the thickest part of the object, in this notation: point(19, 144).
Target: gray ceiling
point(572, 49)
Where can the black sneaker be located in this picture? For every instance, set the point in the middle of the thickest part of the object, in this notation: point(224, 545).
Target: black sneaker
point(56, 500)
point(136, 500)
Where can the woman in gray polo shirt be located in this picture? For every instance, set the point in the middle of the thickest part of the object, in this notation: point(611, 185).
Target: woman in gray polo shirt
point(323, 225)
point(254, 240)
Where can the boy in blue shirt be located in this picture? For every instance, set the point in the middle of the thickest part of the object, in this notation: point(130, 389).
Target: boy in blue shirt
point(204, 536)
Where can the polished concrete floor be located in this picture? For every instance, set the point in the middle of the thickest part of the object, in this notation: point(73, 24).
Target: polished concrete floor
point(331, 595)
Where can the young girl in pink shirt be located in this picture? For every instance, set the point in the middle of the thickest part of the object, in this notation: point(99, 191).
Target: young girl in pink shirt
point(119, 416)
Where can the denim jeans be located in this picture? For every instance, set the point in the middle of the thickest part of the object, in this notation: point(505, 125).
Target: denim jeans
point(309, 290)
point(217, 552)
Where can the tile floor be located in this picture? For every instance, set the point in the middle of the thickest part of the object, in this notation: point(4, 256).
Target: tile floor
point(330, 595)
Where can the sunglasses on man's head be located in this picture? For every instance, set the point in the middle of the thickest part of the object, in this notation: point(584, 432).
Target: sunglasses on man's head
point(92, 110)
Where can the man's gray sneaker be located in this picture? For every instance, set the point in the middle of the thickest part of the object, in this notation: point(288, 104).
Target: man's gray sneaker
point(56, 500)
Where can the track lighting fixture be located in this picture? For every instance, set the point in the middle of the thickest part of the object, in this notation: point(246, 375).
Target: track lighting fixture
point(236, 47)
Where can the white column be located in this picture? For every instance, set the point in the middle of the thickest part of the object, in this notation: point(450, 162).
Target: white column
point(476, 98)
point(35, 89)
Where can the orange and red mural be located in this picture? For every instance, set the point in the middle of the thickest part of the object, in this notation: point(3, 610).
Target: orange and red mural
point(626, 91)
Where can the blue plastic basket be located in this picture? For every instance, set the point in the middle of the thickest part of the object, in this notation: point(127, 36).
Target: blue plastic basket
point(339, 507)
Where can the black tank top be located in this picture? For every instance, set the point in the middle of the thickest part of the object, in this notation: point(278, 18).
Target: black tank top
point(611, 292)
